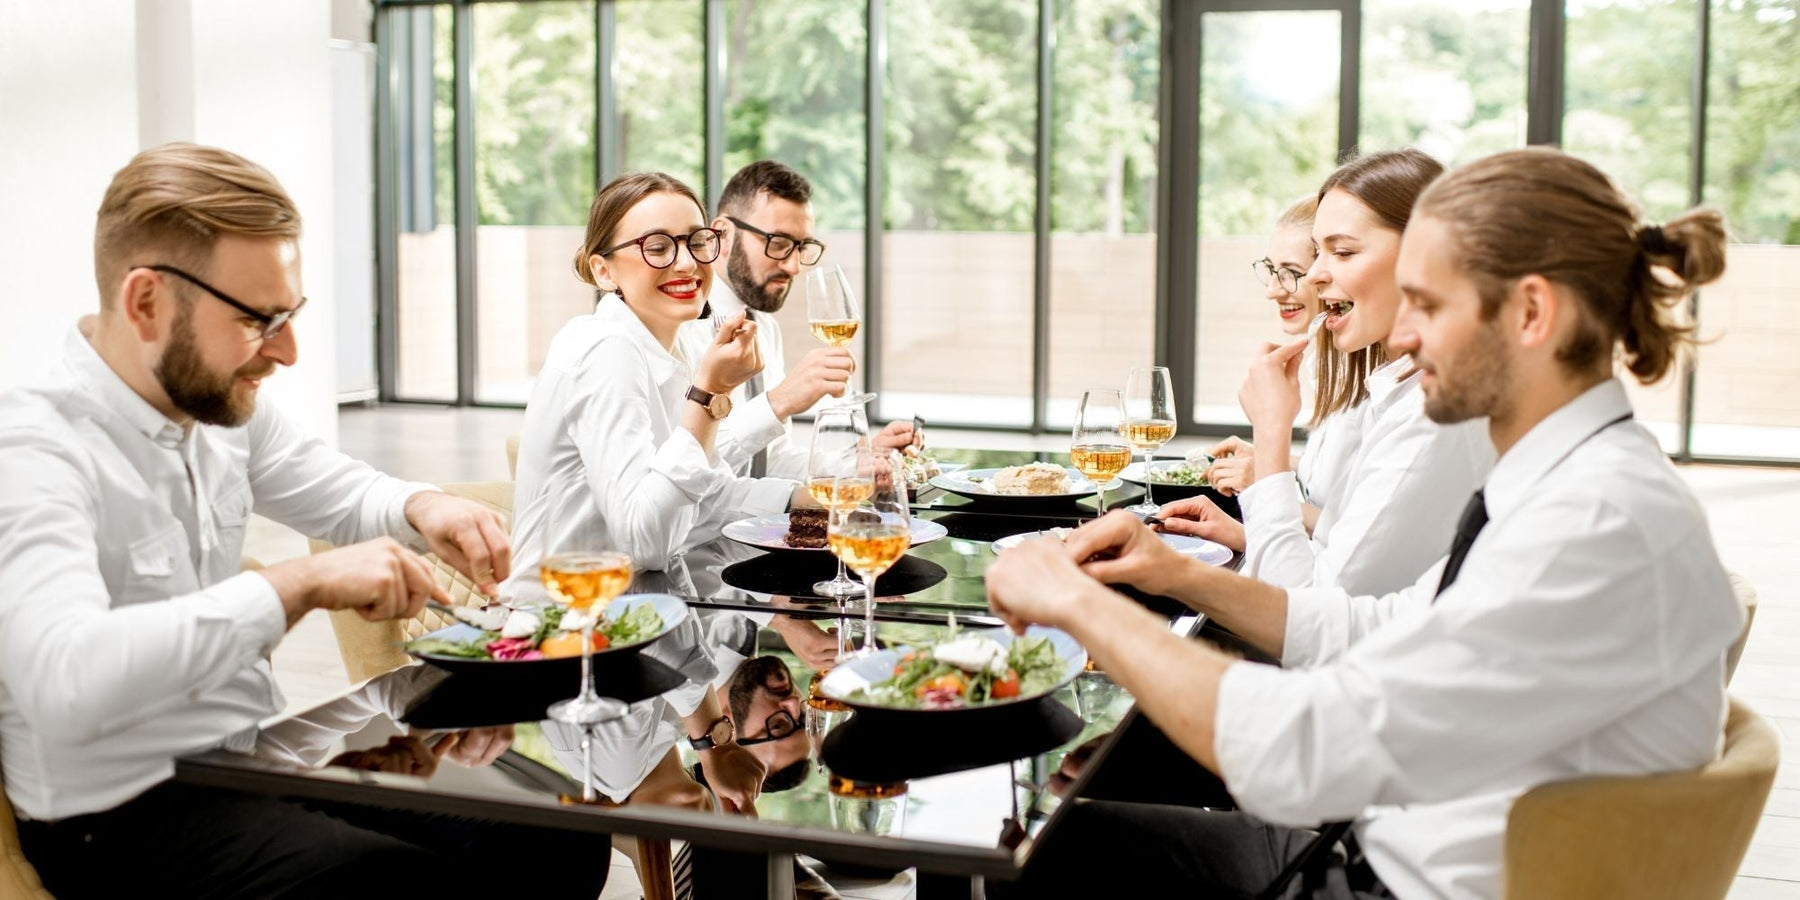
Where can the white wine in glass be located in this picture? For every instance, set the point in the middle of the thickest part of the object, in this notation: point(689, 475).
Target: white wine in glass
point(832, 312)
point(585, 583)
point(839, 433)
point(872, 534)
point(1097, 447)
point(1149, 420)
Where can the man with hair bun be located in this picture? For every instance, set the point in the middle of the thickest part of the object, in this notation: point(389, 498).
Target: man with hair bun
point(128, 636)
point(1578, 626)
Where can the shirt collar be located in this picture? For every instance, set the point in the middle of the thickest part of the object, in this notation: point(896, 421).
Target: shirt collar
point(1388, 378)
point(1547, 443)
point(725, 301)
point(99, 380)
point(612, 311)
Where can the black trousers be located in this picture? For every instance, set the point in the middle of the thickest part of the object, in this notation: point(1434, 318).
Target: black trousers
point(1111, 849)
point(178, 840)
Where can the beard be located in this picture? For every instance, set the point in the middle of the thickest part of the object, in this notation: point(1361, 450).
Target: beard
point(1480, 385)
point(758, 296)
point(196, 390)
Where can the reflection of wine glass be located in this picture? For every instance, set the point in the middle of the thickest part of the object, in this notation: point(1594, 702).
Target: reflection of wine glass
point(1149, 419)
point(871, 534)
point(864, 808)
point(832, 312)
point(585, 583)
point(1098, 446)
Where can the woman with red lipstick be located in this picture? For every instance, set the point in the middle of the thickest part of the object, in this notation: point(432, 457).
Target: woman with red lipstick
point(1406, 477)
point(617, 450)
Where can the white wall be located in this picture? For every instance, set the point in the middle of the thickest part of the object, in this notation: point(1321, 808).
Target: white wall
point(82, 86)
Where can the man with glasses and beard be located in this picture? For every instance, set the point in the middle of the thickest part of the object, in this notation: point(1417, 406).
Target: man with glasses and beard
point(128, 636)
point(765, 213)
point(766, 710)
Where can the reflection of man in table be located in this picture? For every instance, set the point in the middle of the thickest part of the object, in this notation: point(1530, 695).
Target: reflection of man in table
point(766, 215)
point(127, 635)
point(1577, 628)
point(766, 709)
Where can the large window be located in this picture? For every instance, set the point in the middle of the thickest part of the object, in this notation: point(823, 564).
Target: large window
point(1061, 189)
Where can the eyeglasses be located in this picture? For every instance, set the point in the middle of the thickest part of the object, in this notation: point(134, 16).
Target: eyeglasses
point(659, 249)
point(780, 724)
point(1287, 276)
point(271, 324)
point(780, 246)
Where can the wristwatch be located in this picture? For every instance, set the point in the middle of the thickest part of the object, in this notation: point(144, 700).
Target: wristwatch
point(719, 733)
point(717, 405)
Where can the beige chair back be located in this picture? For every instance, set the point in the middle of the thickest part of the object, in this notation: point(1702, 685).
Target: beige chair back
point(371, 648)
point(1679, 836)
point(1746, 594)
point(512, 457)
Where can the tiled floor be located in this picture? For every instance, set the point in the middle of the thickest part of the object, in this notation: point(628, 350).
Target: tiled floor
point(1752, 513)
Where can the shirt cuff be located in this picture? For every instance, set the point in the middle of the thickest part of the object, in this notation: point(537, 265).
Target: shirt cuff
point(1239, 724)
point(1317, 627)
point(1271, 502)
point(760, 425)
point(397, 526)
point(255, 606)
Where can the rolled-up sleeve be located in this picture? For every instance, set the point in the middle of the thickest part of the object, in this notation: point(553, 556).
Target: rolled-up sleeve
point(300, 482)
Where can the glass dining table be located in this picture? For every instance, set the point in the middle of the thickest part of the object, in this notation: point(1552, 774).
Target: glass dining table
point(956, 796)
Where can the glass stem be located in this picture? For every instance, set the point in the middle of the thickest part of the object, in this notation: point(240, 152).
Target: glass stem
point(868, 613)
point(842, 575)
point(1147, 479)
point(587, 763)
point(843, 629)
point(587, 660)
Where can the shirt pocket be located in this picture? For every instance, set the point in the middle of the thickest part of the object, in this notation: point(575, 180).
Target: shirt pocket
point(157, 567)
point(230, 515)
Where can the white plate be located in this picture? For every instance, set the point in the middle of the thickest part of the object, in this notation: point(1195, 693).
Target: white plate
point(861, 672)
point(1213, 554)
point(959, 483)
point(669, 607)
point(767, 532)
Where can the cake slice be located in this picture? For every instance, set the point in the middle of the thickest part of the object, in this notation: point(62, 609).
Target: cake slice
point(806, 528)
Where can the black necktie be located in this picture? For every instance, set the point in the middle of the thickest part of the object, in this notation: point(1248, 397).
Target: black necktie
point(1474, 518)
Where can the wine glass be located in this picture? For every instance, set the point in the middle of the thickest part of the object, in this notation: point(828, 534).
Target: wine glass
point(832, 312)
point(1149, 420)
point(838, 434)
point(1098, 446)
point(585, 583)
point(871, 534)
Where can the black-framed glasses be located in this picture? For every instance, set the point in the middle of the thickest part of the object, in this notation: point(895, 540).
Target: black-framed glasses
point(659, 248)
point(780, 246)
point(272, 324)
point(1287, 276)
point(780, 724)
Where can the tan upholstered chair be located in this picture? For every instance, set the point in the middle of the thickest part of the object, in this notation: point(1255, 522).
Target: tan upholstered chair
point(512, 457)
point(1679, 836)
point(1746, 594)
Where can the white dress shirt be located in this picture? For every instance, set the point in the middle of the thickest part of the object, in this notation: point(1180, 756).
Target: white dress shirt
point(752, 425)
point(1396, 504)
point(604, 462)
point(127, 634)
point(1585, 635)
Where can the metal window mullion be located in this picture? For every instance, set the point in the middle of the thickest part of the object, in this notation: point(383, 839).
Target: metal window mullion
point(713, 101)
point(1178, 202)
point(1349, 78)
point(387, 240)
point(1544, 76)
point(464, 169)
point(607, 151)
point(874, 185)
point(1690, 362)
point(1040, 319)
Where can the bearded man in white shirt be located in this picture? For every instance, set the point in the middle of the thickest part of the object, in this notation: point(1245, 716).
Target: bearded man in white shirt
point(1578, 627)
point(128, 637)
point(766, 215)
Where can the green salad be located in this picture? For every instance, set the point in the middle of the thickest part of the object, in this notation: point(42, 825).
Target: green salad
point(967, 670)
point(1180, 473)
point(527, 634)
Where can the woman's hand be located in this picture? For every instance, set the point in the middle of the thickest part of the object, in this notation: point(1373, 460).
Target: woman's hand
point(1231, 446)
point(1271, 392)
point(732, 358)
point(1200, 517)
point(1232, 474)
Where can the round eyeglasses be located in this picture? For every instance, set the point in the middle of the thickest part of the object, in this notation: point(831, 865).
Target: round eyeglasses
point(780, 246)
point(1288, 277)
point(659, 250)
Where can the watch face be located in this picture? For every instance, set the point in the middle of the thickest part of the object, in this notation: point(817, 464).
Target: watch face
point(720, 407)
point(721, 732)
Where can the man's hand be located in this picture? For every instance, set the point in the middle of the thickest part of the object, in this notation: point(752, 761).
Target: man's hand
point(821, 373)
point(1037, 583)
point(732, 358)
point(403, 754)
point(896, 436)
point(735, 777)
point(1232, 474)
point(474, 747)
point(465, 534)
point(1118, 549)
point(1201, 517)
point(379, 579)
point(1271, 392)
point(817, 646)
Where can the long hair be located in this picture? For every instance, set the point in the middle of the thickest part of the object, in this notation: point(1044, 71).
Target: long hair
point(612, 203)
